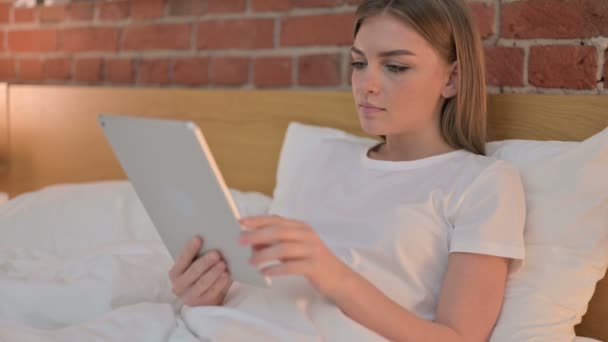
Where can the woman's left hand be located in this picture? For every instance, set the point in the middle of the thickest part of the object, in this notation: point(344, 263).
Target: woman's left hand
point(298, 247)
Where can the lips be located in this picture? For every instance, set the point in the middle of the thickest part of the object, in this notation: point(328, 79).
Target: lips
point(369, 111)
point(370, 106)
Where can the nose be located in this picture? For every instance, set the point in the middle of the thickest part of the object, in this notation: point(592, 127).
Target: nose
point(367, 81)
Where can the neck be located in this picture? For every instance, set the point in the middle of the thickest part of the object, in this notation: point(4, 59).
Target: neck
point(412, 146)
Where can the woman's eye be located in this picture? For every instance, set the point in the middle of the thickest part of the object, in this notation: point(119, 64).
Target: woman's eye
point(396, 68)
point(358, 65)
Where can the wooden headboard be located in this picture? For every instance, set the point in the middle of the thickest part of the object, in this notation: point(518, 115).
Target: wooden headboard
point(49, 134)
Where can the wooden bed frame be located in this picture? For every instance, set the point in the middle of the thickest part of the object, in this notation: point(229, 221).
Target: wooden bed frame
point(49, 135)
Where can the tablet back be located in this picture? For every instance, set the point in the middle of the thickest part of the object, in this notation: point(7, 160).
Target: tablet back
point(177, 180)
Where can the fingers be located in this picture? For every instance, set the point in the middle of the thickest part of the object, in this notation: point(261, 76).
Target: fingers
point(281, 251)
point(292, 267)
point(195, 271)
point(259, 247)
point(186, 256)
point(203, 284)
point(271, 234)
point(215, 294)
point(260, 221)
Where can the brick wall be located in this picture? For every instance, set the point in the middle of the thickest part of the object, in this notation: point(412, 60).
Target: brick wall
point(546, 46)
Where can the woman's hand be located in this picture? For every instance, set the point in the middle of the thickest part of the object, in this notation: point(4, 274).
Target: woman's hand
point(200, 281)
point(298, 247)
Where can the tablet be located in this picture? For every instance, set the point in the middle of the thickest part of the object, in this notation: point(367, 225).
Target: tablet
point(175, 176)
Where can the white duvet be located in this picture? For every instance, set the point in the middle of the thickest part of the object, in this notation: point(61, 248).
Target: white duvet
point(119, 292)
point(86, 264)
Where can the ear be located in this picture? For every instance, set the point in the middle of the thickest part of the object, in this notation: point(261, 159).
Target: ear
point(451, 87)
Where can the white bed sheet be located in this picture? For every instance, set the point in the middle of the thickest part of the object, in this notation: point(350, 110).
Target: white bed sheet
point(77, 273)
point(86, 264)
point(112, 293)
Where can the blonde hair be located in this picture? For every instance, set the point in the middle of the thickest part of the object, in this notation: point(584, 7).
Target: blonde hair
point(448, 26)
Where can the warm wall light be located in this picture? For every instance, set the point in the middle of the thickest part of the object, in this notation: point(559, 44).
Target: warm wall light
point(4, 140)
point(3, 175)
point(32, 3)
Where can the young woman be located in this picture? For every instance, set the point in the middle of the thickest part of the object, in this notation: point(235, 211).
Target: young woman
point(411, 238)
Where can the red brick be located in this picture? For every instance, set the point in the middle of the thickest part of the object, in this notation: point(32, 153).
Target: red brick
point(225, 6)
point(115, 10)
point(283, 5)
point(8, 69)
point(31, 70)
point(484, 18)
point(88, 70)
point(154, 72)
point(82, 10)
point(40, 40)
point(271, 5)
point(235, 34)
point(330, 29)
point(90, 39)
point(186, 7)
point(191, 71)
point(272, 72)
point(554, 19)
point(5, 9)
point(58, 68)
point(563, 66)
point(53, 14)
point(24, 15)
point(120, 71)
point(230, 71)
point(505, 66)
point(319, 70)
point(157, 37)
point(147, 9)
point(316, 3)
point(2, 39)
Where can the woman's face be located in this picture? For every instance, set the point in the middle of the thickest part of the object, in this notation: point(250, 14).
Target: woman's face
point(398, 78)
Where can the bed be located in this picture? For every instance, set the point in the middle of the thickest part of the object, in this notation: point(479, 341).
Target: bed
point(49, 135)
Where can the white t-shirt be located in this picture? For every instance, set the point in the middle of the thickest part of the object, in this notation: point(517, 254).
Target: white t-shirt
point(395, 223)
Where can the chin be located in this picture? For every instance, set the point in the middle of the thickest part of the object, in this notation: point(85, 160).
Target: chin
point(372, 127)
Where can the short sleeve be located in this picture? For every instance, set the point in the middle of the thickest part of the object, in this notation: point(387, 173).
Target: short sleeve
point(491, 216)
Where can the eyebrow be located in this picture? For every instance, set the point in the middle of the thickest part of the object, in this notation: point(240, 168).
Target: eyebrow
point(385, 53)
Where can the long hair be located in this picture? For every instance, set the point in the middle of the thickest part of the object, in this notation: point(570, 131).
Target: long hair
point(448, 26)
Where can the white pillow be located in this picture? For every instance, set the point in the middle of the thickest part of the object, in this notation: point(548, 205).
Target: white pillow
point(566, 228)
point(300, 139)
point(67, 219)
point(566, 238)
point(585, 339)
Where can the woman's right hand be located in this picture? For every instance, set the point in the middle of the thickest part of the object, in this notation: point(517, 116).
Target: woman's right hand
point(200, 281)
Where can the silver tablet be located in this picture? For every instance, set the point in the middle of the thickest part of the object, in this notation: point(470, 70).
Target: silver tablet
point(179, 184)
